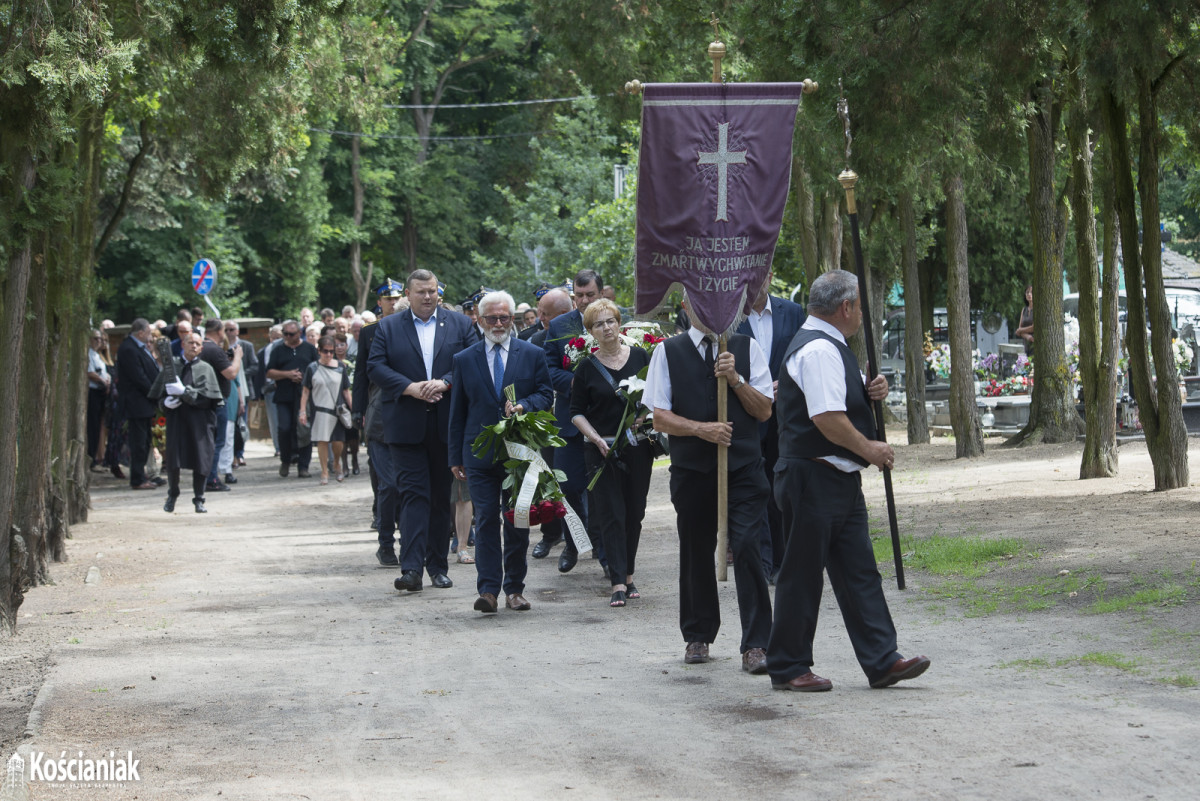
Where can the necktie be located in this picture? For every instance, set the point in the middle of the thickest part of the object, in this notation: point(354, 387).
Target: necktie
point(709, 358)
point(498, 373)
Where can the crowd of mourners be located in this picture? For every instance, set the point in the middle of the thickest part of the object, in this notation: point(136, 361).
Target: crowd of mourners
point(408, 387)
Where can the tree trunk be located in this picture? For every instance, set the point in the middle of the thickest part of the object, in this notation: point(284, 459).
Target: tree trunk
point(34, 428)
point(914, 339)
point(1097, 363)
point(964, 416)
point(1160, 411)
point(360, 284)
point(1052, 415)
point(831, 232)
point(17, 180)
point(1168, 444)
point(805, 207)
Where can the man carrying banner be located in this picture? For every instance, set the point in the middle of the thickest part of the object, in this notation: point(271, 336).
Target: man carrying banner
point(826, 437)
point(690, 361)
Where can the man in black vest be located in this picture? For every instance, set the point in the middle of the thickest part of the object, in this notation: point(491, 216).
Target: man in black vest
point(690, 362)
point(826, 437)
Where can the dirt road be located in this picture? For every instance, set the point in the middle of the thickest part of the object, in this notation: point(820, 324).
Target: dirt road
point(258, 652)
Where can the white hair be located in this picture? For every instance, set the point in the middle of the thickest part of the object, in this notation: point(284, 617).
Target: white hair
point(493, 298)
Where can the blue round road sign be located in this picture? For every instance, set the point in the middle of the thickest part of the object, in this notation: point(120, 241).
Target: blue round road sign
point(204, 276)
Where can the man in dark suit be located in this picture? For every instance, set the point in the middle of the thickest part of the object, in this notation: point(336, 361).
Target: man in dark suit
point(569, 458)
point(411, 360)
point(481, 372)
point(136, 371)
point(773, 321)
point(551, 305)
point(365, 402)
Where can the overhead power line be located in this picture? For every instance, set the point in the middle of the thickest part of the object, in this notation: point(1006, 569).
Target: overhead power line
point(501, 104)
point(426, 138)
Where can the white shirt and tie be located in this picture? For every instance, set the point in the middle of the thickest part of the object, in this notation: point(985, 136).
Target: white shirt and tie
point(658, 376)
point(492, 350)
point(426, 331)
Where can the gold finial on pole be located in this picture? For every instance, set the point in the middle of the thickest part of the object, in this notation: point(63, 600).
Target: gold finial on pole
point(633, 87)
point(716, 49)
point(847, 177)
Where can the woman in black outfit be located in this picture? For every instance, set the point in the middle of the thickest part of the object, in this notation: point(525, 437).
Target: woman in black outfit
point(617, 502)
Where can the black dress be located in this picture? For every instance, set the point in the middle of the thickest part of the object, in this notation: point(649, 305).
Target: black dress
point(617, 502)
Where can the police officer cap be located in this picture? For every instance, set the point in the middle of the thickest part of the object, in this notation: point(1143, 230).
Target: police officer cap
point(390, 289)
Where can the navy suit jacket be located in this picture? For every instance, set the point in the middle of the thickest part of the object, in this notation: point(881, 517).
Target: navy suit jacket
point(473, 403)
point(562, 328)
point(136, 371)
point(358, 390)
point(395, 361)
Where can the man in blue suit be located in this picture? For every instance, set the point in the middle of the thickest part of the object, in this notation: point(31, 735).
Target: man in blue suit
point(481, 372)
point(410, 361)
point(773, 321)
point(569, 458)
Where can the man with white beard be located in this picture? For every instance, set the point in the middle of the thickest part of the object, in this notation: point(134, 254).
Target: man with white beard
point(481, 373)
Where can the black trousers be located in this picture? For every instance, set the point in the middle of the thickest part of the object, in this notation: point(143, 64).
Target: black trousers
point(423, 482)
point(139, 449)
point(95, 418)
point(775, 535)
point(287, 417)
point(826, 516)
point(617, 505)
point(199, 481)
point(694, 495)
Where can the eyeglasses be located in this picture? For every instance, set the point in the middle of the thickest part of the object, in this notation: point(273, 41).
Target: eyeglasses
point(323, 350)
point(606, 323)
point(291, 333)
point(498, 319)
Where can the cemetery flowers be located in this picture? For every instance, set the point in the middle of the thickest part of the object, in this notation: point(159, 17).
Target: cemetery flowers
point(938, 360)
point(1013, 385)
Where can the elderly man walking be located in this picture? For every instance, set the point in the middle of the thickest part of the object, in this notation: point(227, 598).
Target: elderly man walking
point(481, 373)
point(826, 437)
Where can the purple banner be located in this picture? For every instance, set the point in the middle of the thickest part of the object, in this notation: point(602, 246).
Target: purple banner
point(715, 165)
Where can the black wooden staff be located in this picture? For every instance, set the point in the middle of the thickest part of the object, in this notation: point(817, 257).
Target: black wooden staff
point(847, 179)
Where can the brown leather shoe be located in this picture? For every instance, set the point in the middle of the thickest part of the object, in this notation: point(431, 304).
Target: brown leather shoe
point(517, 602)
point(486, 603)
point(805, 683)
point(902, 670)
point(755, 661)
point(696, 653)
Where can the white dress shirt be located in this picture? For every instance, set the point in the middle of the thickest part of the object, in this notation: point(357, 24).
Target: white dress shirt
point(818, 370)
point(762, 326)
point(658, 376)
point(426, 331)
